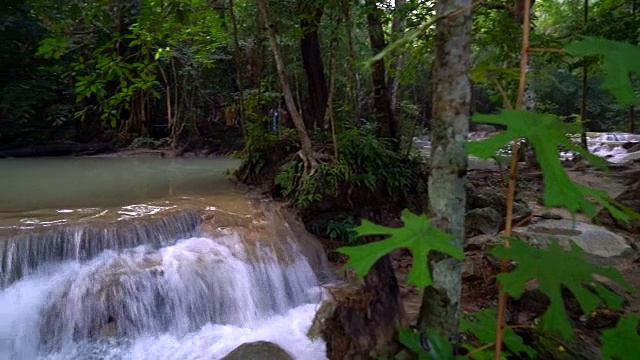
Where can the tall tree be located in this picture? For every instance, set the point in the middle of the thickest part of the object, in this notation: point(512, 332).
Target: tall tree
point(306, 150)
point(310, 16)
point(452, 95)
point(397, 28)
point(382, 112)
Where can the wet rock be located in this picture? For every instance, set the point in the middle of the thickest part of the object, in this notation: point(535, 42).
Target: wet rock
point(629, 198)
point(632, 146)
point(632, 157)
point(259, 350)
point(482, 221)
point(601, 245)
point(110, 330)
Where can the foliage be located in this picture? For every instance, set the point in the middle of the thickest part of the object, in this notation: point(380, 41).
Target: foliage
point(482, 325)
point(428, 346)
point(343, 230)
point(620, 61)
point(412, 236)
point(544, 265)
point(546, 133)
point(622, 342)
point(363, 163)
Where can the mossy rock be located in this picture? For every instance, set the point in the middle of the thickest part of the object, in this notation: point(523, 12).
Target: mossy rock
point(259, 350)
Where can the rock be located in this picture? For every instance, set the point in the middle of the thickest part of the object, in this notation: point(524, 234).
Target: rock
point(360, 319)
point(520, 212)
point(550, 215)
point(632, 146)
point(485, 198)
point(631, 157)
point(259, 350)
point(110, 330)
point(602, 246)
point(629, 198)
point(480, 243)
point(482, 221)
point(485, 128)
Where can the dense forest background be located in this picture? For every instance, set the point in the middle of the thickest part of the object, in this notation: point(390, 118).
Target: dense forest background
point(175, 72)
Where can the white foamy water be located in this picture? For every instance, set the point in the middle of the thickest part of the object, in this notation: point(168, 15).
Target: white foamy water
point(197, 299)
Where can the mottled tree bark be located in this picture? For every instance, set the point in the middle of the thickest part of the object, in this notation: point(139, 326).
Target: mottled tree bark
point(382, 112)
point(310, 15)
point(452, 94)
point(397, 28)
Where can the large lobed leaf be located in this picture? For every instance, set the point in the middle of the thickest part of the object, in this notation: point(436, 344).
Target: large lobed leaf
point(429, 346)
point(546, 133)
point(484, 329)
point(620, 60)
point(553, 268)
point(622, 342)
point(417, 234)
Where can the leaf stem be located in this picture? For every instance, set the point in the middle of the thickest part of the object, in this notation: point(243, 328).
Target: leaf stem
point(481, 348)
point(524, 60)
point(552, 50)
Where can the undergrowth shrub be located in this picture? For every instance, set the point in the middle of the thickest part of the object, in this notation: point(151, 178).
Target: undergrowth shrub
point(363, 166)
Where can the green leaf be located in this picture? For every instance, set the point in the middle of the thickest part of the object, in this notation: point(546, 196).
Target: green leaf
point(484, 329)
point(555, 267)
point(489, 73)
point(545, 133)
point(417, 234)
point(620, 60)
point(622, 342)
point(431, 346)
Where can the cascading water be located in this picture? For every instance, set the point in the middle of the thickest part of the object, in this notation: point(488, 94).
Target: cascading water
point(24, 250)
point(160, 286)
point(198, 290)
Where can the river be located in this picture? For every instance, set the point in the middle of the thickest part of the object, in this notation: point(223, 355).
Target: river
point(109, 258)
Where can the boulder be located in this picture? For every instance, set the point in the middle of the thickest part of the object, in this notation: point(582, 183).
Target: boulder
point(632, 157)
point(481, 243)
point(482, 221)
point(259, 350)
point(632, 146)
point(485, 197)
point(602, 246)
point(630, 198)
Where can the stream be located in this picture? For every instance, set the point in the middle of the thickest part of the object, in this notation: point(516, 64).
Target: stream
point(110, 258)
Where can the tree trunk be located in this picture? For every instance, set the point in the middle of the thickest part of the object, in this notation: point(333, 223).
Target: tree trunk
point(585, 83)
point(306, 150)
point(310, 15)
point(361, 322)
point(632, 109)
point(452, 94)
point(383, 115)
point(397, 28)
point(238, 63)
point(353, 85)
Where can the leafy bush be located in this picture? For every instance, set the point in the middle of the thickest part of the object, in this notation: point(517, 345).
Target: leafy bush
point(363, 164)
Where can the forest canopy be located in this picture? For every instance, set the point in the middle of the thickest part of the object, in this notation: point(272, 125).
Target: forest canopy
point(175, 72)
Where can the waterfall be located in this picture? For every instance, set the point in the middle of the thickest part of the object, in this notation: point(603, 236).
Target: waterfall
point(191, 298)
point(27, 249)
